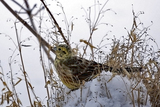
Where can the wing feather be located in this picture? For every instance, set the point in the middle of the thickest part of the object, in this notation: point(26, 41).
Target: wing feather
point(83, 68)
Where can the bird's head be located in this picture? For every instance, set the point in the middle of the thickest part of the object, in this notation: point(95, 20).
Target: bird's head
point(62, 51)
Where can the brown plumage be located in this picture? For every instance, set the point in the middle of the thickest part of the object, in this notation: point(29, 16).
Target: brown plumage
point(73, 70)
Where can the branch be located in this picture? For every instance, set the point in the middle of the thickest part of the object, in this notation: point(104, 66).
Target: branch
point(55, 22)
point(40, 39)
point(23, 68)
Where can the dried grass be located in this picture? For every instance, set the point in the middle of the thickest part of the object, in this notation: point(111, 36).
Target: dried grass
point(132, 50)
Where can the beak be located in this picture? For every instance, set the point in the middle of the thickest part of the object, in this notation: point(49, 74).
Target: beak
point(55, 48)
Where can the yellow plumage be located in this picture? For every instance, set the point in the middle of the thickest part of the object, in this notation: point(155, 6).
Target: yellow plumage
point(73, 70)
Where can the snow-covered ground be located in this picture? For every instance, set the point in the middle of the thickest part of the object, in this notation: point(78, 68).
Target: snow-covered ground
point(105, 91)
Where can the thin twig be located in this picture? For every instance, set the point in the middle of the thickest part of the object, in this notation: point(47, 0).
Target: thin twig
point(92, 28)
point(41, 40)
point(23, 68)
point(55, 22)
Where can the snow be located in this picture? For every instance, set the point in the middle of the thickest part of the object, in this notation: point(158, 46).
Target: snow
point(106, 91)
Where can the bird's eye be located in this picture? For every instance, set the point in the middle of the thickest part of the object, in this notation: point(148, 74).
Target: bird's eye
point(59, 49)
point(64, 52)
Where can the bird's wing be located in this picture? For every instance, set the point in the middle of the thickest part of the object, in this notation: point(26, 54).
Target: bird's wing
point(87, 70)
point(83, 68)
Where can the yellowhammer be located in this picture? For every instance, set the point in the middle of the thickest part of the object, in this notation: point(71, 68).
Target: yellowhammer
point(73, 70)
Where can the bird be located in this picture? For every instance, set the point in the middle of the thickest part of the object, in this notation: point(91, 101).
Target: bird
point(74, 70)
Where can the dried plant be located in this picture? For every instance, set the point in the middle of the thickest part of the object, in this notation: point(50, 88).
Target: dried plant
point(132, 50)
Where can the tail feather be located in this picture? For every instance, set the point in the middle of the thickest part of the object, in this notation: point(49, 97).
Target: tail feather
point(120, 70)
